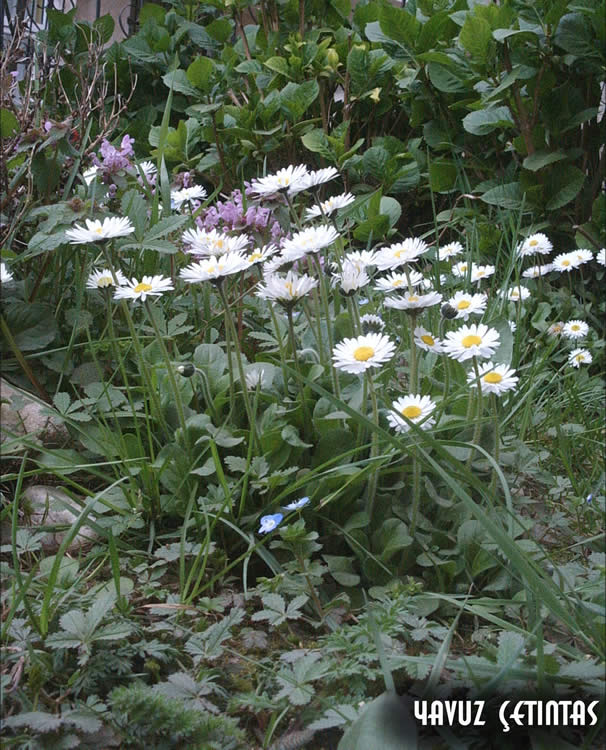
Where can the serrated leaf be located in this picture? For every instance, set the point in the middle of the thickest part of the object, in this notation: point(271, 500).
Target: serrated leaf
point(476, 37)
point(36, 720)
point(400, 25)
point(336, 717)
point(290, 435)
point(207, 645)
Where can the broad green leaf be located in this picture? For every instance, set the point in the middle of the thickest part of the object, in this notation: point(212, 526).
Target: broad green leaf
point(504, 196)
point(511, 648)
point(541, 159)
point(341, 569)
point(296, 99)
point(212, 360)
point(199, 73)
point(104, 26)
point(152, 11)
point(445, 79)
point(9, 125)
point(178, 81)
point(484, 121)
point(442, 175)
point(317, 142)
point(278, 65)
point(220, 29)
point(386, 724)
point(564, 187)
point(476, 38)
point(399, 25)
point(391, 538)
point(392, 208)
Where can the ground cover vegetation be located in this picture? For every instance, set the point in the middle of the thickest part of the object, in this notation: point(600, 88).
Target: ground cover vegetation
point(316, 295)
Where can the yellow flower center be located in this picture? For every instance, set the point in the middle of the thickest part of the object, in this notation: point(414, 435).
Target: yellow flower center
point(411, 412)
point(463, 267)
point(105, 281)
point(471, 340)
point(98, 230)
point(480, 273)
point(254, 256)
point(463, 304)
point(413, 298)
point(219, 243)
point(363, 353)
point(580, 357)
point(533, 243)
point(288, 286)
point(397, 282)
point(210, 269)
point(565, 262)
point(428, 340)
point(575, 327)
point(492, 377)
point(143, 287)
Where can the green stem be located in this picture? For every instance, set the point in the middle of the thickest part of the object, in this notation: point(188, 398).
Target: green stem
point(230, 324)
point(293, 346)
point(413, 355)
point(374, 449)
point(497, 442)
point(416, 493)
point(477, 432)
point(325, 304)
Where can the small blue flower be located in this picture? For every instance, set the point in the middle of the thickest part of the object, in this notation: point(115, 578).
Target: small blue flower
point(589, 498)
point(298, 504)
point(269, 523)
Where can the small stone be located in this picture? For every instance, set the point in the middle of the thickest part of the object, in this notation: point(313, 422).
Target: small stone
point(49, 506)
point(21, 414)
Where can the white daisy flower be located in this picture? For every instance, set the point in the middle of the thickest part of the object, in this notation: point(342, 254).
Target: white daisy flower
point(261, 254)
point(555, 329)
point(286, 289)
point(517, 294)
point(89, 174)
point(564, 262)
point(213, 268)
point(186, 195)
point(535, 243)
point(351, 278)
point(359, 354)
point(319, 176)
point(213, 242)
point(581, 256)
point(450, 251)
point(535, 271)
point(425, 340)
point(372, 323)
point(580, 357)
point(396, 255)
point(476, 340)
point(575, 329)
point(310, 240)
point(96, 230)
point(414, 408)
point(5, 275)
point(362, 258)
point(330, 206)
point(102, 279)
point(601, 257)
point(273, 265)
point(408, 301)
point(495, 379)
point(290, 179)
point(398, 281)
point(255, 377)
point(149, 286)
point(148, 168)
point(468, 304)
point(480, 272)
point(461, 269)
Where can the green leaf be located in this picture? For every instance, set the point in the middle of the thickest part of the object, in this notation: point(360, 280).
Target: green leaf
point(484, 121)
point(208, 645)
point(511, 648)
point(386, 723)
point(564, 187)
point(105, 27)
point(392, 208)
point(9, 125)
point(212, 360)
point(341, 569)
point(541, 159)
point(220, 29)
point(199, 73)
point(377, 227)
point(278, 65)
point(504, 353)
point(152, 11)
point(442, 175)
point(574, 34)
point(399, 25)
point(295, 99)
point(317, 142)
point(504, 196)
point(290, 435)
point(476, 38)
point(391, 538)
point(444, 79)
point(178, 81)
point(38, 721)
